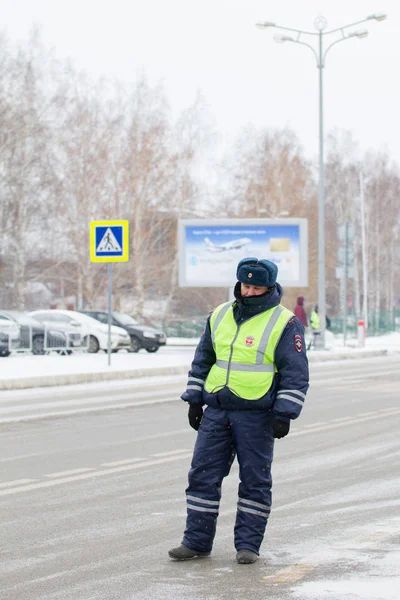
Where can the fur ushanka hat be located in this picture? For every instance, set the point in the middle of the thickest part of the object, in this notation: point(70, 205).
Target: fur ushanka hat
point(254, 271)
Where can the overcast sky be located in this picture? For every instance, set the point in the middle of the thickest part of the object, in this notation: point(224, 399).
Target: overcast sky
point(245, 76)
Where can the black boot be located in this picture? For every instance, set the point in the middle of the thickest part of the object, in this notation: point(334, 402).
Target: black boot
point(246, 557)
point(184, 553)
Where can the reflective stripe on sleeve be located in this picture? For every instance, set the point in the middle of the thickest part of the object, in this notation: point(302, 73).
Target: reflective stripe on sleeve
point(195, 380)
point(287, 397)
point(194, 383)
point(291, 395)
point(295, 392)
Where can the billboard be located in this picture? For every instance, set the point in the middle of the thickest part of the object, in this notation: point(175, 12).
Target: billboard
point(209, 250)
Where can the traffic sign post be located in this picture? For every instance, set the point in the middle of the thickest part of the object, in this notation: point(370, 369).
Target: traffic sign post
point(109, 243)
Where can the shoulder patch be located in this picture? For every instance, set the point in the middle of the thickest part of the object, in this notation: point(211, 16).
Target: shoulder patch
point(298, 342)
point(291, 321)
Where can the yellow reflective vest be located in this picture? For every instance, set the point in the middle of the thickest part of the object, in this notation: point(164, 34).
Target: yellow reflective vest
point(314, 320)
point(245, 353)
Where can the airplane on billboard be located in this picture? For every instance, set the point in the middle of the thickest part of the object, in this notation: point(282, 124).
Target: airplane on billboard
point(233, 245)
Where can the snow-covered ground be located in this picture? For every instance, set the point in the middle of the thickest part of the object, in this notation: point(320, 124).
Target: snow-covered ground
point(177, 354)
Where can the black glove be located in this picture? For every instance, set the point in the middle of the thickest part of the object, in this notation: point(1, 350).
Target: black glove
point(195, 415)
point(280, 428)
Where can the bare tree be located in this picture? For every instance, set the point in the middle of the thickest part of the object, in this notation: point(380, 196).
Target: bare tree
point(343, 168)
point(271, 177)
point(25, 113)
point(155, 187)
point(84, 184)
point(382, 233)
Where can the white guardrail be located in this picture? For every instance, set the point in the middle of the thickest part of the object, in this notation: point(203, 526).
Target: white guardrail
point(43, 341)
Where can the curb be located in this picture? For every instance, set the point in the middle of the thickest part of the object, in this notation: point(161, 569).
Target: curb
point(74, 378)
point(91, 377)
point(324, 356)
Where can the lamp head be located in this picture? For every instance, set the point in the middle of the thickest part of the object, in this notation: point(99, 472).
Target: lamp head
point(361, 33)
point(378, 16)
point(283, 38)
point(265, 24)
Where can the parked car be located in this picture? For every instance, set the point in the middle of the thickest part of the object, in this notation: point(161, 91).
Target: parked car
point(142, 336)
point(33, 335)
point(95, 333)
point(10, 336)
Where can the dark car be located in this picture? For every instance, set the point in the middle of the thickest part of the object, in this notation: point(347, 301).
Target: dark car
point(33, 335)
point(142, 336)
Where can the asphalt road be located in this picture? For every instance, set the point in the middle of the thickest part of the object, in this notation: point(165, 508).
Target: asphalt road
point(92, 500)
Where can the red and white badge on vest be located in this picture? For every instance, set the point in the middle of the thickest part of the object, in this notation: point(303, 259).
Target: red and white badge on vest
point(249, 341)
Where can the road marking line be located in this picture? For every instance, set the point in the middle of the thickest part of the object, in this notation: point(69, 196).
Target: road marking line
point(121, 462)
point(11, 404)
point(70, 472)
point(354, 420)
point(86, 410)
point(16, 482)
point(86, 401)
point(82, 476)
point(290, 574)
point(172, 452)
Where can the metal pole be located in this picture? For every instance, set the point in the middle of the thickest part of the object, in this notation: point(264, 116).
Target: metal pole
point(364, 254)
point(346, 259)
point(109, 296)
point(321, 208)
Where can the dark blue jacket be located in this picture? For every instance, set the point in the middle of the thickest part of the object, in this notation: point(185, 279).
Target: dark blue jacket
point(290, 384)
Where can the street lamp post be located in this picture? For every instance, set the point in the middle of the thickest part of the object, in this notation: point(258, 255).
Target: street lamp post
point(320, 24)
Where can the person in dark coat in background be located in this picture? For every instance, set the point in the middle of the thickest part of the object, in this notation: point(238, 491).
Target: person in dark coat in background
point(300, 312)
point(250, 369)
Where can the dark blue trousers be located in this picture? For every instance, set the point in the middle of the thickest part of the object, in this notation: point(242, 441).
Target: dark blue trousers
point(222, 435)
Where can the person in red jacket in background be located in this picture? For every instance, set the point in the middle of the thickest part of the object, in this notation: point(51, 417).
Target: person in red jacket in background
point(300, 312)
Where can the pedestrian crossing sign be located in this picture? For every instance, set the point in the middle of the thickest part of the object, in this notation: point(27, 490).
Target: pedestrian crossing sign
point(109, 241)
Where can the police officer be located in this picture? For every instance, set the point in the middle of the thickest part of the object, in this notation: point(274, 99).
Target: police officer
point(315, 325)
point(250, 370)
point(314, 318)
